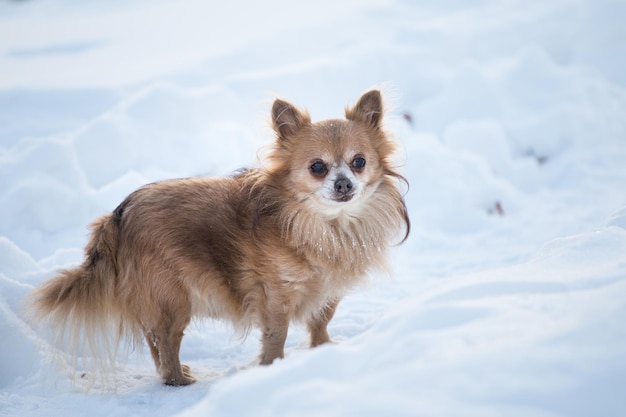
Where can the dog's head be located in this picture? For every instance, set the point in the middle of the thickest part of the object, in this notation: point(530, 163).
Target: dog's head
point(333, 166)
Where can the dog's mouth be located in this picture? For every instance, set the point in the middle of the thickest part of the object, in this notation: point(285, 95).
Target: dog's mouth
point(342, 198)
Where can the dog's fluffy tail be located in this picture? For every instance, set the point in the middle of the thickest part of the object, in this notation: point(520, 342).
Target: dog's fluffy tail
point(80, 306)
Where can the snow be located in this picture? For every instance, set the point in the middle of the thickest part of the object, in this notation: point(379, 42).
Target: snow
point(509, 296)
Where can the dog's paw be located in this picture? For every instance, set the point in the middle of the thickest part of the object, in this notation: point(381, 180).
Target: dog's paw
point(184, 379)
point(181, 381)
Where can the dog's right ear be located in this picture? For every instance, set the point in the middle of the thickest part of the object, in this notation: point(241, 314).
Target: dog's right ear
point(287, 119)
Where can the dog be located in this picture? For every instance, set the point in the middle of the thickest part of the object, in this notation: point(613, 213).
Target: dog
point(265, 247)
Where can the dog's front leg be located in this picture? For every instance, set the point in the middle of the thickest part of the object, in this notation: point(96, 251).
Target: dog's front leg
point(318, 324)
point(274, 336)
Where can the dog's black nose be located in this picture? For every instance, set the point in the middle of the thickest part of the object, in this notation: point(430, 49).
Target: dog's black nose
point(343, 186)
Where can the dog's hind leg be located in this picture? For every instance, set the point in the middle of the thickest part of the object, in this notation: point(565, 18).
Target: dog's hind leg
point(164, 340)
point(318, 324)
point(152, 344)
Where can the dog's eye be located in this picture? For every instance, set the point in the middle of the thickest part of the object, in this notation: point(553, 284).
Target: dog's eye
point(358, 163)
point(318, 168)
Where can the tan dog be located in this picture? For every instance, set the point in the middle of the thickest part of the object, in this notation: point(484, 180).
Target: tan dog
point(264, 248)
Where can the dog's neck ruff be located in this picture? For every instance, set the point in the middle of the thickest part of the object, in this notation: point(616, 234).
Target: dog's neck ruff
point(351, 242)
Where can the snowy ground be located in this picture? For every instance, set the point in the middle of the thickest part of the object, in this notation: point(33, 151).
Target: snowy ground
point(509, 298)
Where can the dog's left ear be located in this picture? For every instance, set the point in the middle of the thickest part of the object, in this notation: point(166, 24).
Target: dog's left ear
point(287, 119)
point(368, 110)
